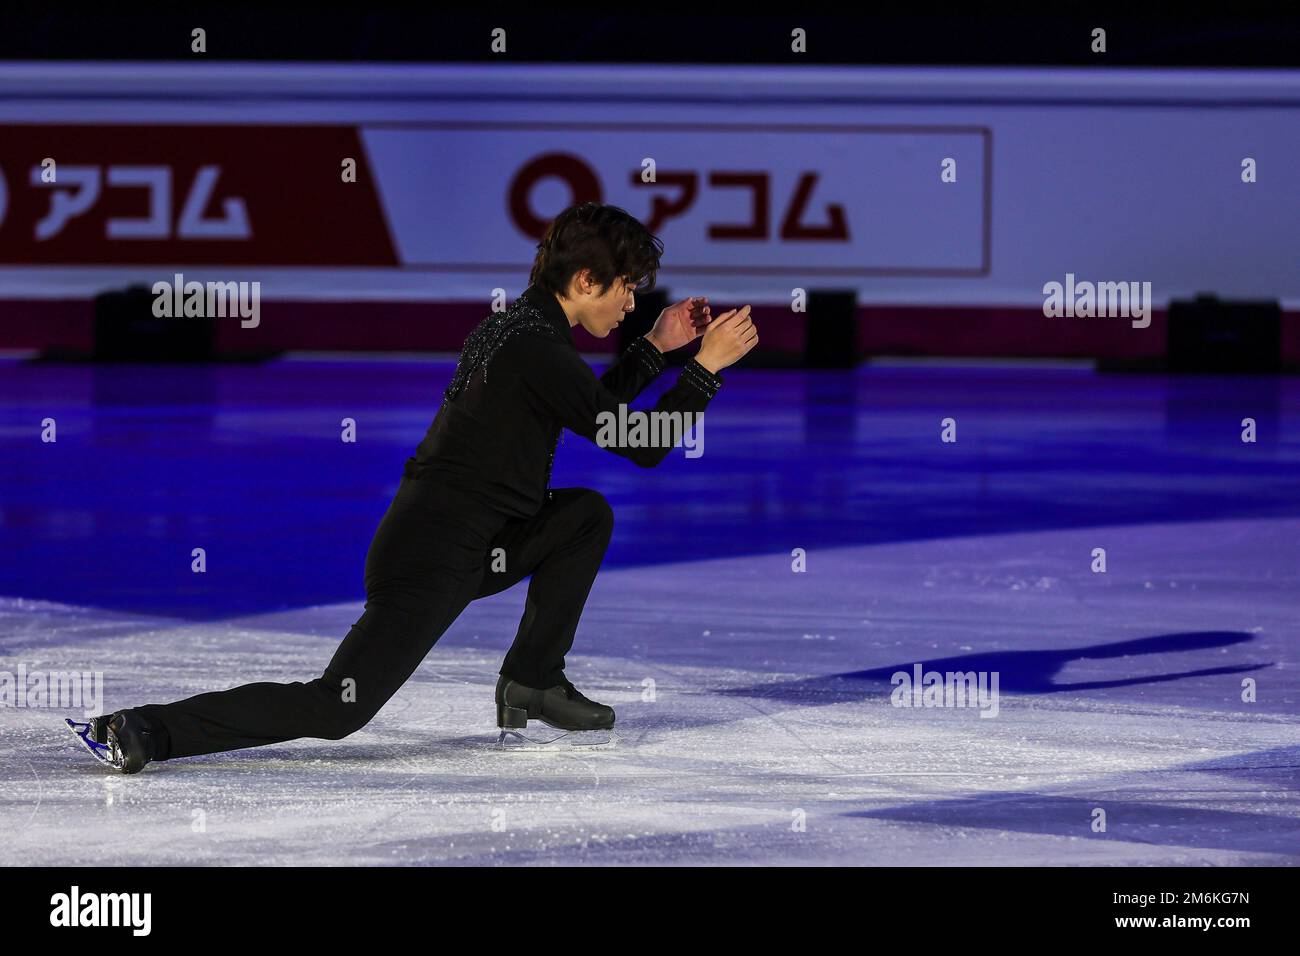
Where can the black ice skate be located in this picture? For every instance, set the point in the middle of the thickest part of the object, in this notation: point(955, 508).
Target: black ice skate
point(582, 722)
point(122, 740)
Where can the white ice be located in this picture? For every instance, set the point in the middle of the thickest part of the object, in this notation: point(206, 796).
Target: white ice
point(798, 769)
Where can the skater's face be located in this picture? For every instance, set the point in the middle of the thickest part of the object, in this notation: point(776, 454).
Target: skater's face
point(598, 310)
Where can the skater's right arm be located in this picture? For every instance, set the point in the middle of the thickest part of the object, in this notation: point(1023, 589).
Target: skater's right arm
point(727, 340)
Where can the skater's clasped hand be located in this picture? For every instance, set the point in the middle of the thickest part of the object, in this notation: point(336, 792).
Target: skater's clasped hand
point(680, 324)
point(727, 339)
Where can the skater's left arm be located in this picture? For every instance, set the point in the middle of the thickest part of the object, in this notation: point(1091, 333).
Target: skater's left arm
point(678, 325)
point(563, 384)
point(636, 368)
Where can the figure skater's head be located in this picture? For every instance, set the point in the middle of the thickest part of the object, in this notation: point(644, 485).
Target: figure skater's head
point(593, 258)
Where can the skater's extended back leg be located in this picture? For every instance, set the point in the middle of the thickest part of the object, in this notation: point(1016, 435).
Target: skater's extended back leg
point(424, 566)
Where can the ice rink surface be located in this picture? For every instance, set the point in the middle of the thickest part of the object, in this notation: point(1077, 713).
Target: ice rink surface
point(754, 702)
point(754, 716)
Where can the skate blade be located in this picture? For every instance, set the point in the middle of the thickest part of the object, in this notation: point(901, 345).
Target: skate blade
point(552, 740)
point(107, 754)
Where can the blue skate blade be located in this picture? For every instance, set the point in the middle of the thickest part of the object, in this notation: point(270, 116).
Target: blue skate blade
point(101, 752)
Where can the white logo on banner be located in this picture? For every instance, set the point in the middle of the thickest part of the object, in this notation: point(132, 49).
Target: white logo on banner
point(82, 186)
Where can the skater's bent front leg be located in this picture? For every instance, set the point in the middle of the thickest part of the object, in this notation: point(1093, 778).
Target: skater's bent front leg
point(562, 548)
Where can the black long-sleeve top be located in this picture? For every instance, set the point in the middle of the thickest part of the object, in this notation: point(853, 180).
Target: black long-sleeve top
point(519, 382)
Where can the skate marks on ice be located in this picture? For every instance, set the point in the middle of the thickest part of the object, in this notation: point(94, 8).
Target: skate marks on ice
point(553, 741)
point(711, 778)
point(1126, 698)
point(1230, 818)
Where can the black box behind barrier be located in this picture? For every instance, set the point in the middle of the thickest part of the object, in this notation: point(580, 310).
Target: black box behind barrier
point(832, 340)
point(1210, 335)
point(126, 330)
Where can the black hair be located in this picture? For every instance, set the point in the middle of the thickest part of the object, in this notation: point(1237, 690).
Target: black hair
point(609, 241)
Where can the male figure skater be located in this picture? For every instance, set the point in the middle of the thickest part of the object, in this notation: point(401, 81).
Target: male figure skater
point(475, 513)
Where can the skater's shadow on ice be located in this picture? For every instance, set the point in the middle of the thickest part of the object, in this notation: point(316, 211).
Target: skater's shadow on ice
point(1024, 672)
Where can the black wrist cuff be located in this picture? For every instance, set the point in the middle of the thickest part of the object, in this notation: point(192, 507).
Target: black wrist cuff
point(701, 378)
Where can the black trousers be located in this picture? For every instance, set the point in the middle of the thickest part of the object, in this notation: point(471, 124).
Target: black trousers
point(434, 552)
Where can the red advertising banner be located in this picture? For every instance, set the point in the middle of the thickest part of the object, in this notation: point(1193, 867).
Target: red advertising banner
point(210, 195)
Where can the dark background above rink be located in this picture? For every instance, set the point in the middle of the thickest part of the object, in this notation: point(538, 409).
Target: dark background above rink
point(412, 34)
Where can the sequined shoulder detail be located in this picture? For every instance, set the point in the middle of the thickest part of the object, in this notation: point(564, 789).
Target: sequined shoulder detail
point(492, 333)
